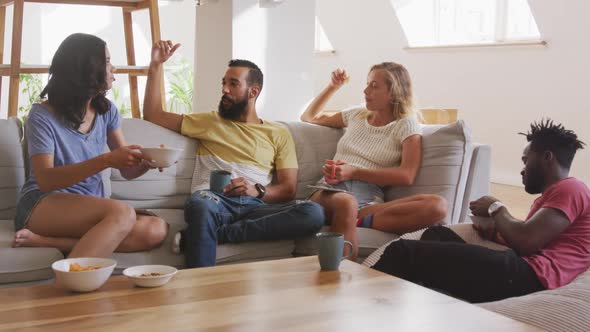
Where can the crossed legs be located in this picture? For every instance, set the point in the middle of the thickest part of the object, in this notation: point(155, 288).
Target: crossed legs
point(398, 216)
point(93, 227)
point(407, 214)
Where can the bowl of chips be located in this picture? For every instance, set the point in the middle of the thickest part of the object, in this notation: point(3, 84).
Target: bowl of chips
point(83, 274)
point(150, 275)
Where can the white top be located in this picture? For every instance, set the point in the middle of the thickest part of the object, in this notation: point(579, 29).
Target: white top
point(370, 147)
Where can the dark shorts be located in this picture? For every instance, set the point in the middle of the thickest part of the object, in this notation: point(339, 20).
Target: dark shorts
point(25, 206)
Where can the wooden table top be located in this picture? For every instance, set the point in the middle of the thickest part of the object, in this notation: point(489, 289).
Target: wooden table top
point(280, 295)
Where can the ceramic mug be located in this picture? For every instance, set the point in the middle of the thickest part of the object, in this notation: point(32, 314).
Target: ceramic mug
point(218, 179)
point(330, 249)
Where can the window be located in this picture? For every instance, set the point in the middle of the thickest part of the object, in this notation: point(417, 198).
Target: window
point(465, 22)
point(322, 43)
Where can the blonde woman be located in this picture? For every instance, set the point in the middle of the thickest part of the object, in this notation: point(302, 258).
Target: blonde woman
point(381, 147)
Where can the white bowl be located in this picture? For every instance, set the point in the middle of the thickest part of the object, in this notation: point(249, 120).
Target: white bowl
point(162, 157)
point(83, 281)
point(134, 274)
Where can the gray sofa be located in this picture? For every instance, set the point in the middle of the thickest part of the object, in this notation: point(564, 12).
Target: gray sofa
point(452, 166)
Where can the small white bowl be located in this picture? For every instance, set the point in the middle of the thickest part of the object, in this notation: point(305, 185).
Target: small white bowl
point(83, 281)
point(162, 157)
point(134, 274)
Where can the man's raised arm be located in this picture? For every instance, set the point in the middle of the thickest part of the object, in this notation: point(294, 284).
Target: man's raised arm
point(152, 102)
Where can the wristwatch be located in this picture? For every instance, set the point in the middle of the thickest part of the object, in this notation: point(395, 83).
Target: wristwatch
point(261, 190)
point(494, 207)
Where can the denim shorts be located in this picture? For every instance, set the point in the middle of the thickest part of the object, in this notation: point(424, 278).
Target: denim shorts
point(365, 193)
point(25, 206)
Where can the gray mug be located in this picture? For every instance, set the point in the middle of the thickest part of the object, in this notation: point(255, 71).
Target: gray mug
point(330, 248)
point(218, 179)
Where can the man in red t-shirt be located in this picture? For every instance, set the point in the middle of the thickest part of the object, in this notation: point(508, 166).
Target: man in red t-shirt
point(547, 251)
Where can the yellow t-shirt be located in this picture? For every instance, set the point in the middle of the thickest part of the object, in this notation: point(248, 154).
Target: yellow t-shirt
point(252, 151)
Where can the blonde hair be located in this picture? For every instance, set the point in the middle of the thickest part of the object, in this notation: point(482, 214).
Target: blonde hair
point(400, 89)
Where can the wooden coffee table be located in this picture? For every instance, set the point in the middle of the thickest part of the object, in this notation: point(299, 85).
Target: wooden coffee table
point(280, 295)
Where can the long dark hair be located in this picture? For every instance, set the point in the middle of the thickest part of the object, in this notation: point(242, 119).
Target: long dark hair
point(77, 75)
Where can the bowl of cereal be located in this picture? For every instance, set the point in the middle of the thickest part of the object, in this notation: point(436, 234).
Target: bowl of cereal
point(83, 274)
point(150, 275)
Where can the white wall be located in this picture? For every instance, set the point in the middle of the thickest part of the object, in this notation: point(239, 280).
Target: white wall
point(498, 91)
point(46, 25)
point(278, 39)
point(213, 49)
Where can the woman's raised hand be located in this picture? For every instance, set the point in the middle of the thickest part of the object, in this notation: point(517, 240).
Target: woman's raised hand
point(124, 157)
point(339, 78)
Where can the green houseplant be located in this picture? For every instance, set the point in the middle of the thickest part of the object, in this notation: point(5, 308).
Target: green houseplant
point(31, 86)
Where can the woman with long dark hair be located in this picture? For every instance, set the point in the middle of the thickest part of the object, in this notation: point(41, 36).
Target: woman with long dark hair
point(63, 203)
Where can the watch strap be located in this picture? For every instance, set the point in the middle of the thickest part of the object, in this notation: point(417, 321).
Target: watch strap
point(494, 207)
point(261, 190)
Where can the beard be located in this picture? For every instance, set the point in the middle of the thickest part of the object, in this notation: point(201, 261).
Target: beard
point(534, 181)
point(235, 110)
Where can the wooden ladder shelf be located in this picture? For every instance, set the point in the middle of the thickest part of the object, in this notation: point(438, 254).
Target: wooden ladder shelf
point(14, 68)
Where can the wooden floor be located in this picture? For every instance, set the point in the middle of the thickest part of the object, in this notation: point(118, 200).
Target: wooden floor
point(516, 199)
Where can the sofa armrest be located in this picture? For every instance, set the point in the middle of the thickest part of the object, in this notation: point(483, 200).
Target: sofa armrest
point(478, 180)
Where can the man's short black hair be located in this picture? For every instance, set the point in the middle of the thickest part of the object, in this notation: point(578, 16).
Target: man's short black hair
point(549, 136)
point(254, 75)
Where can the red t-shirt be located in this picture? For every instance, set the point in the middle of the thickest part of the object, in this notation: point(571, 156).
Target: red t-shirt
point(568, 255)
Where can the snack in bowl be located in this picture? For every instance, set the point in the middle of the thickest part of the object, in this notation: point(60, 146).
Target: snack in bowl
point(150, 275)
point(83, 274)
point(75, 267)
point(161, 157)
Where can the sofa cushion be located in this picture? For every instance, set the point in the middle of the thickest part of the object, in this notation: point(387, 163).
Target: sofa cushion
point(446, 156)
point(314, 145)
point(12, 166)
point(562, 309)
point(23, 264)
point(168, 189)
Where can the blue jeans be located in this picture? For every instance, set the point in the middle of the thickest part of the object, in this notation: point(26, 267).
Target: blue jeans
point(214, 218)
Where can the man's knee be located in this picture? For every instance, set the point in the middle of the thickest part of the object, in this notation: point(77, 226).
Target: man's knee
point(312, 213)
point(199, 205)
point(394, 257)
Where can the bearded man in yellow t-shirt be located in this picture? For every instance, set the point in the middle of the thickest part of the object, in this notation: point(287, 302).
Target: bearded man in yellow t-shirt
point(235, 139)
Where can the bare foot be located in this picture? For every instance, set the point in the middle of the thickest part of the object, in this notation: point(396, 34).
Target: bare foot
point(26, 238)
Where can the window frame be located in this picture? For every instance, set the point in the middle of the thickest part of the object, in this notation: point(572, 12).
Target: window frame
point(500, 37)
